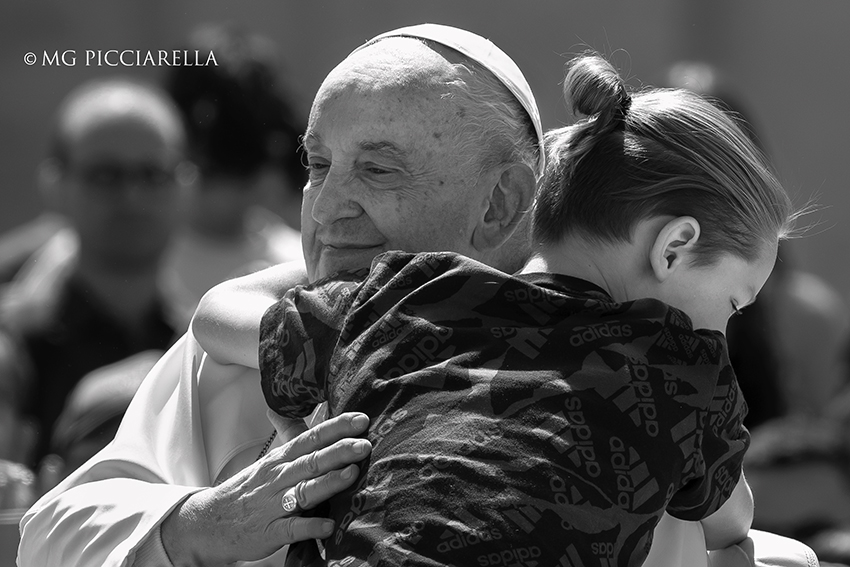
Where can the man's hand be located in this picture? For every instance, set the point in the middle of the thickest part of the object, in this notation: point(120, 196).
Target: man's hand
point(244, 518)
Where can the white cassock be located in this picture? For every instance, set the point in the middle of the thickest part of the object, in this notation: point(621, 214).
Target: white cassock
point(194, 422)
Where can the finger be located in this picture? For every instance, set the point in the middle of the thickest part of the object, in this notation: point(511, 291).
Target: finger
point(289, 501)
point(323, 461)
point(326, 433)
point(287, 429)
point(310, 493)
point(297, 528)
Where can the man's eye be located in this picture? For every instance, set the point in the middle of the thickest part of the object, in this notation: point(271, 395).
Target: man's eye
point(373, 168)
point(103, 176)
point(317, 169)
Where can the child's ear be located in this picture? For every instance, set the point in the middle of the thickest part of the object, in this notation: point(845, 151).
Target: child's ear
point(674, 246)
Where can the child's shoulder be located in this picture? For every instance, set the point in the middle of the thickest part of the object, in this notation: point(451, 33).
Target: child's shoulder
point(668, 315)
point(676, 330)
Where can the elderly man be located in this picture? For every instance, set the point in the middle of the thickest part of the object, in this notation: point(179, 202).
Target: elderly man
point(398, 160)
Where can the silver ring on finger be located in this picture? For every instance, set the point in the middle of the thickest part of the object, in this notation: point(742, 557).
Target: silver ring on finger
point(289, 502)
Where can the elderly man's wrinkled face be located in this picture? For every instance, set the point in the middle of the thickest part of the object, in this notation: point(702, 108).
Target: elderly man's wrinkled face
point(388, 170)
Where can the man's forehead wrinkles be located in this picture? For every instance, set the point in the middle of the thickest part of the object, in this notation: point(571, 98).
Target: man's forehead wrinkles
point(384, 147)
point(374, 70)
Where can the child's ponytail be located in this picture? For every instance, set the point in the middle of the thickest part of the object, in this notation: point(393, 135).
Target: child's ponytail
point(595, 91)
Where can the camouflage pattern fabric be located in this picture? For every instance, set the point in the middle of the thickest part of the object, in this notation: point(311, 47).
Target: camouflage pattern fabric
point(516, 420)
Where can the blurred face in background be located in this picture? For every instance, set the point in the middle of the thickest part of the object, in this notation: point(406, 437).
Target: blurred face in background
point(119, 186)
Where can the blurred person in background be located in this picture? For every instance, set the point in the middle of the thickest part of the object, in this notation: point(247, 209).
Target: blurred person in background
point(17, 493)
point(87, 424)
point(92, 414)
point(19, 243)
point(18, 486)
point(17, 433)
point(244, 140)
point(799, 471)
point(787, 348)
point(89, 297)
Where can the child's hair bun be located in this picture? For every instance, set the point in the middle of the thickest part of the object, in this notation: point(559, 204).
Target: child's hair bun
point(593, 88)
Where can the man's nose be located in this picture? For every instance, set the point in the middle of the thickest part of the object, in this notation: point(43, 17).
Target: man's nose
point(137, 195)
point(335, 199)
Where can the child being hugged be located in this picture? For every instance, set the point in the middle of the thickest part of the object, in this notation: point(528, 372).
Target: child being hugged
point(555, 414)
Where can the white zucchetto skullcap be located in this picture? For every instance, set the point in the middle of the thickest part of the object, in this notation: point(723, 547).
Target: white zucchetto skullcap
point(486, 53)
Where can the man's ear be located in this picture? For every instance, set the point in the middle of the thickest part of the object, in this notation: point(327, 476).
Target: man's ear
point(508, 200)
point(674, 246)
point(49, 179)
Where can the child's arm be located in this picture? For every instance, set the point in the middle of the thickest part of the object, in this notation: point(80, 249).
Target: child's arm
point(732, 521)
point(227, 321)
